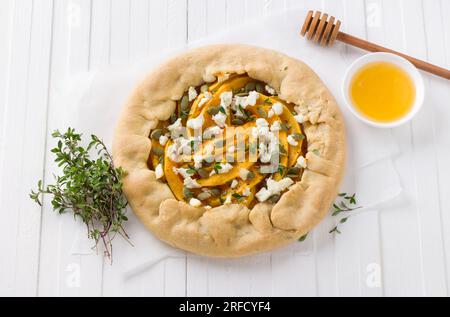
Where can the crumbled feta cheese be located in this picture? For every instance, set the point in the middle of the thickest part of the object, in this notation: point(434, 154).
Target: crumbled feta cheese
point(176, 129)
point(227, 201)
point(198, 160)
point(212, 131)
point(240, 101)
point(243, 173)
point(191, 183)
point(263, 195)
point(207, 96)
point(159, 171)
point(252, 98)
point(226, 98)
point(271, 113)
point(276, 126)
point(291, 140)
point(208, 207)
point(273, 188)
point(197, 123)
point(195, 202)
point(234, 184)
point(192, 93)
point(163, 139)
point(278, 187)
point(270, 90)
point(268, 169)
point(172, 152)
point(181, 171)
point(220, 119)
point(262, 123)
point(278, 109)
point(299, 118)
point(179, 147)
point(261, 133)
point(301, 162)
point(247, 192)
point(265, 156)
point(225, 168)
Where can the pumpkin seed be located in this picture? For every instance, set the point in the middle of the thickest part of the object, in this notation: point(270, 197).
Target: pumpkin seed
point(285, 127)
point(203, 173)
point(204, 196)
point(173, 118)
point(157, 151)
point(165, 130)
point(184, 103)
point(184, 114)
point(187, 193)
point(215, 192)
point(274, 199)
point(238, 90)
point(262, 113)
point(242, 94)
point(298, 136)
point(250, 87)
point(282, 150)
point(250, 176)
point(213, 111)
point(260, 88)
point(237, 121)
point(156, 134)
point(293, 171)
point(204, 88)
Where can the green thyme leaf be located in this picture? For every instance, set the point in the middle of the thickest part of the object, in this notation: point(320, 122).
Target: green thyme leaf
point(302, 239)
point(267, 101)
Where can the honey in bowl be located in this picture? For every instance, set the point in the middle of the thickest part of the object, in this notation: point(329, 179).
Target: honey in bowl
point(382, 92)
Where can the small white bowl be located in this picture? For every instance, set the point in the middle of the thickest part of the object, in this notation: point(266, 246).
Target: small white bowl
point(404, 64)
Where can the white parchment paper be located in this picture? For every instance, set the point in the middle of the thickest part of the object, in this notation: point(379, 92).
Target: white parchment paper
point(97, 97)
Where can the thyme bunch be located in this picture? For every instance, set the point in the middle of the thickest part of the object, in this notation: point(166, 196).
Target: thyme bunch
point(91, 188)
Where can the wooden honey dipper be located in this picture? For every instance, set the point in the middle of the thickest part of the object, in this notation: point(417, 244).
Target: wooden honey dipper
point(324, 31)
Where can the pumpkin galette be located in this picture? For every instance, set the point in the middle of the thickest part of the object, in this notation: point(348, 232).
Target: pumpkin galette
point(231, 150)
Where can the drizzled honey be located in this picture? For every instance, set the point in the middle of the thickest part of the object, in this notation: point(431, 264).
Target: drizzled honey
point(382, 92)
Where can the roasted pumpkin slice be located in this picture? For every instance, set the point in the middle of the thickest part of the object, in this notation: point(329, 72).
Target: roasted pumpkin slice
point(174, 181)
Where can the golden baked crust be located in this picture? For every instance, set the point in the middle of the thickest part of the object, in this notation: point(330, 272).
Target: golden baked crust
point(232, 230)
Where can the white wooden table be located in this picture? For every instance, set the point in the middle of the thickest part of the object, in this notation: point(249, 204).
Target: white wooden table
point(44, 41)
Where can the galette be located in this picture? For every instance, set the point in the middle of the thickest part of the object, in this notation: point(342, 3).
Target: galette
point(231, 150)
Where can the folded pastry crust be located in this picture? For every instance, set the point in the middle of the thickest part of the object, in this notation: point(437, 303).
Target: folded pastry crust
point(231, 230)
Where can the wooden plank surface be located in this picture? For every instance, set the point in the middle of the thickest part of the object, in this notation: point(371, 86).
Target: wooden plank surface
point(45, 42)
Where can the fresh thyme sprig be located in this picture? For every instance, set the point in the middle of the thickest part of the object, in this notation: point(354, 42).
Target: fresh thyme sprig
point(90, 188)
point(343, 207)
